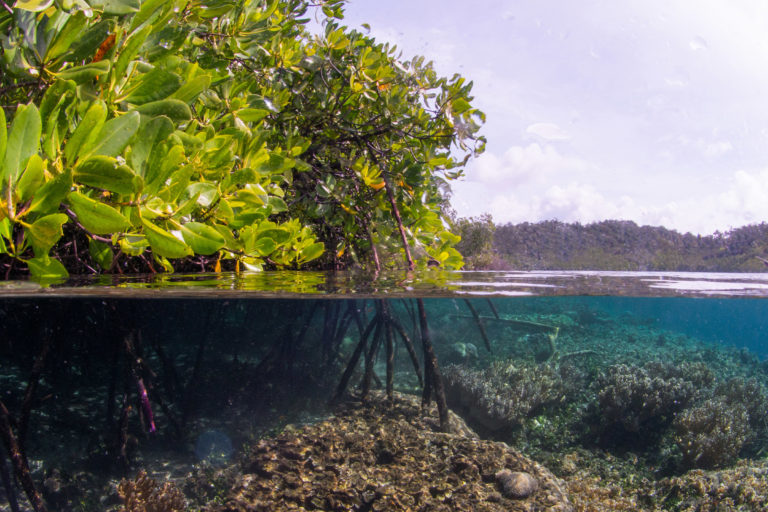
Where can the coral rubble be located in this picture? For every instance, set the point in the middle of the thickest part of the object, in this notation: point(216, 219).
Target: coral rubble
point(380, 457)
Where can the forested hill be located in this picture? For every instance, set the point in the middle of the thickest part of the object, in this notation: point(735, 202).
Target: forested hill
point(623, 245)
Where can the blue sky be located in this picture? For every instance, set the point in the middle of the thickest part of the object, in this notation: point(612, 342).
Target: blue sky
point(652, 111)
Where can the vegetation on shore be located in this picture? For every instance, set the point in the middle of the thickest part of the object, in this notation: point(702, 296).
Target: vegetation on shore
point(608, 245)
point(152, 135)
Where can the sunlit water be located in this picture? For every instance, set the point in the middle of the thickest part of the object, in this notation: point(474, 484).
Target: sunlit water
point(177, 375)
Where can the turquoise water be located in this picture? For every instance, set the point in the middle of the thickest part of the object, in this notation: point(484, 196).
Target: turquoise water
point(181, 377)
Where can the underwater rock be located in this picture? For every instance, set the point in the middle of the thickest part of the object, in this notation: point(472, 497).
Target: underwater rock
point(516, 484)
point(381, 457)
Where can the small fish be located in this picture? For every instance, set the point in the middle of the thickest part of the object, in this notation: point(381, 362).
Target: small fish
point(145, 406)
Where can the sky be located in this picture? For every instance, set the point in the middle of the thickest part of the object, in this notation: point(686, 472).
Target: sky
point(651, 111)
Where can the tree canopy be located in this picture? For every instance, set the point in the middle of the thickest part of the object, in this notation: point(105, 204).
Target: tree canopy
point(139, 135)
point(610, 245)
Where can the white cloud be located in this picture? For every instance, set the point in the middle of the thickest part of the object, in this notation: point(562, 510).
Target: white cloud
point(570, 202)
point(548, 131)
point(698, 43)
point(521, 164)
point(717, 149)
point(555, 191)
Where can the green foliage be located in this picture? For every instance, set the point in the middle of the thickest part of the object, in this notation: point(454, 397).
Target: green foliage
point(623, 245)
point(476, 243)
point(219, 134)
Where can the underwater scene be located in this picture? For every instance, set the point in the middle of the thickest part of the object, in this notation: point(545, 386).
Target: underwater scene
point(515, 393)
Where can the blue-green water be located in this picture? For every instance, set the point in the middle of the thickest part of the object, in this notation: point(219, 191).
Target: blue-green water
point(181, 377)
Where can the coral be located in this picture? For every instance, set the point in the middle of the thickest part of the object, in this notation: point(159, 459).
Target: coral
point(143, 494)
point(744, 487)
point(599, 482)
point(505, 393)
point(642, 399)
point(712, 434)
point(752, 395)
point(388, 456)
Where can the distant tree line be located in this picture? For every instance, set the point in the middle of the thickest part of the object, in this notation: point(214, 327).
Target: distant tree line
point(608, 245)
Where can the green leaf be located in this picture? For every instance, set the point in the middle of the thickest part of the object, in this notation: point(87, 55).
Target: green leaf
point(311, 252)
point(69, 33)
point(176, 110)
point(3, 142)
point(55, 96)
point(117, 6)
point(32, 5)
point(85, 73)
point(155, 85)
point(128, 51)
point(264, 246)
point(203, 239)
point(31, 179)
point(460, 106)
point(5, 234)
point(147, 11)
point(98, 218)
point(58, 96)
point(101, 253)
point(163, 262)
point(87, 131)
point(277, 204)
point(188, 141)
point(151, 132)
point(252, 115)
point(23, 141)
point(48, 197)
point(192, 88)
point(88, 43)
point(46, 270)
point(133, 245)
point(448, 237)
point(104, 172)
point(46, 231)
point(279, 235)
point(164, 243)
point(275, 163)
point(116, 134)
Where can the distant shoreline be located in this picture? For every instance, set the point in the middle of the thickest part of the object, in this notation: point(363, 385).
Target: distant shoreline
point(610, 245)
